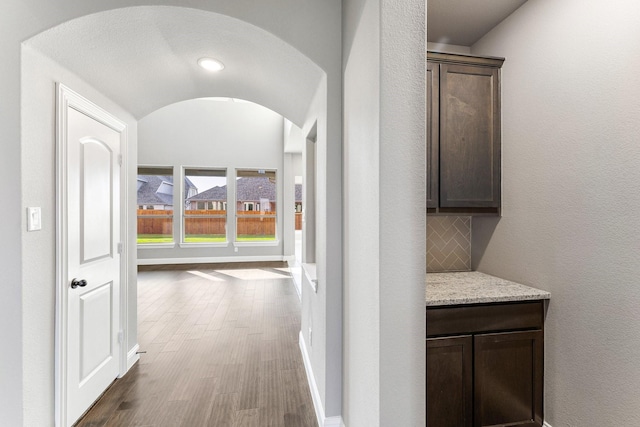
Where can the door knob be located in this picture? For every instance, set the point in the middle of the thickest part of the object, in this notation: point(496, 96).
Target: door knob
point(75, 283)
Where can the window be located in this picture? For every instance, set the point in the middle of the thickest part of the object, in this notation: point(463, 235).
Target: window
point(205, 206)
point(155, 205)
point(255, 205)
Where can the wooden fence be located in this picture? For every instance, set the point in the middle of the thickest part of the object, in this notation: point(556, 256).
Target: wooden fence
point(156, 222)
point(298, 220)
point(256, 226)
point(205, 226)
point(155, 225)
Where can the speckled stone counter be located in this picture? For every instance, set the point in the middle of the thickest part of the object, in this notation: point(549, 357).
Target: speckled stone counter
point(476, 288)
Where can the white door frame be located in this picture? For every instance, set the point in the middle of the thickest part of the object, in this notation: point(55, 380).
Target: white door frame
point(67, 98)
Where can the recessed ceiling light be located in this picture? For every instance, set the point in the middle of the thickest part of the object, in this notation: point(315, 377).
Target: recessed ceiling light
point(210, 64)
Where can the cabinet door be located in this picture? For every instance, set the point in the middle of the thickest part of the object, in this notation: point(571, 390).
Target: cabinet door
point(433, 126)
point(469, 136)
point(508, 379)
point(449, 382)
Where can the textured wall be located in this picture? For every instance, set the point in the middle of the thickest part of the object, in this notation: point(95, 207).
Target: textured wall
point(571, 168)
point(362, 163)
point(402, 184)
point(384, 167)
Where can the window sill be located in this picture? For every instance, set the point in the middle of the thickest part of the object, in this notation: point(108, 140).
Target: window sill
point(156, 245)
point(310, 272)
point(258, 243)
point(205, 245)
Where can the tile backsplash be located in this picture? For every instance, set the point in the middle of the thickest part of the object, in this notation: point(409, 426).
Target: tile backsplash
point(448, 243)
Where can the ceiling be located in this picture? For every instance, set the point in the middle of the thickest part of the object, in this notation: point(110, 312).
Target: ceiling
point(144, 58)
point(464, 22)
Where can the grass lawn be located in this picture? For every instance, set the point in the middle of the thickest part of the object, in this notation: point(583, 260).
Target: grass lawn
point(250, 238)
point(154, 238)
point(212, 238)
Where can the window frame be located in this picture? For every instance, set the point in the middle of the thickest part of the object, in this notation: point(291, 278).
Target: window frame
point(184, 211)
point(156, 170)
point(256, 204)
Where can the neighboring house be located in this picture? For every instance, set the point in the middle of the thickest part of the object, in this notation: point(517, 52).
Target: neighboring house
point(156, 191)
point(253, 193)
point(298, 197)
point(214, 198)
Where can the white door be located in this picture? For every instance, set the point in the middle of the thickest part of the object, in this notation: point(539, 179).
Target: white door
point(92, 268)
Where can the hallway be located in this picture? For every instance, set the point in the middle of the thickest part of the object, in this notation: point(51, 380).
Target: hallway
point(220, 348)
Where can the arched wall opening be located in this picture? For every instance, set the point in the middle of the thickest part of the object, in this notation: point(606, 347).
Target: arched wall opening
point(227, 136)
point(98, 56)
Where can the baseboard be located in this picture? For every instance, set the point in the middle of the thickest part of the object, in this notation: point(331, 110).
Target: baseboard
point(323, 421)
point(133, 356)
point(546, 424)
point(208, 260)
point(333, 422)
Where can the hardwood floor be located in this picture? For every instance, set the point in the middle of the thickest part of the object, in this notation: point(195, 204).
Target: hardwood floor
point(221, 345)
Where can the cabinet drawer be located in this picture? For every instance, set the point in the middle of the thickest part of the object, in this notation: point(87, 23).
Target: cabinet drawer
point(470, 319)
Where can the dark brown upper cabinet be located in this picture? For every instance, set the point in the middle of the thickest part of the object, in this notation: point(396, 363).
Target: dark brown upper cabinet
point(463, 134)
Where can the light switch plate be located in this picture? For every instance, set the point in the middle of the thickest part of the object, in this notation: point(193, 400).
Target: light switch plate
point(34, 219)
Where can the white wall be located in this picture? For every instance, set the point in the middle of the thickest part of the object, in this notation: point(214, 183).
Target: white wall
point(451, 48)
point(571, 168)
point(287, 233)
point(11, 362)
point(384, 168)
point(39, 77)
point(293, 138)
point(294, 143)
point(216, 134)
point(361, 357)
point(322, 311)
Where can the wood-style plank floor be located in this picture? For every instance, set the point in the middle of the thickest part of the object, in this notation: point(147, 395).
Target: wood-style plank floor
point(221, 345)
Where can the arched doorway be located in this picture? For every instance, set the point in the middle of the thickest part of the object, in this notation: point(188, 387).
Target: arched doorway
point(127, 87)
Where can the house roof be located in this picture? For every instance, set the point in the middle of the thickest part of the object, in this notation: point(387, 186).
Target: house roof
point(249, 189)
point(255, 188)
point(298, 192)
point(213, 194)
point(148, 192)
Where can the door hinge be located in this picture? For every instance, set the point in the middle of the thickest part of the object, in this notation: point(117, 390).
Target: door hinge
point(120, 337)
point(120, 248)
point(119, 159)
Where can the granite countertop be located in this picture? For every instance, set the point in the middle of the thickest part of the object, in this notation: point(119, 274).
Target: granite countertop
point(476, 288)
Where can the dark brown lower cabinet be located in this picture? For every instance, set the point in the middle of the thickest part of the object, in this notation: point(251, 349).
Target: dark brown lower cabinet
point(449, 372)
point(508, 379)
point(484, 378)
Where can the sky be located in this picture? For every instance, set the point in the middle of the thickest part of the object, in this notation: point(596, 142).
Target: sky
point(204, 183)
